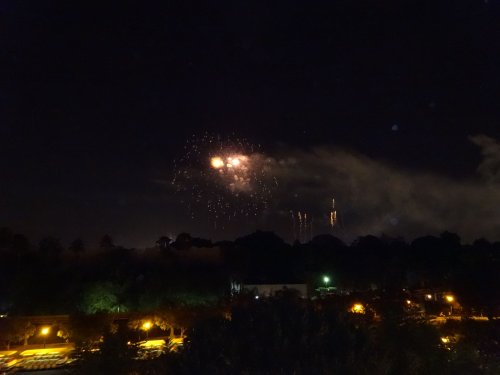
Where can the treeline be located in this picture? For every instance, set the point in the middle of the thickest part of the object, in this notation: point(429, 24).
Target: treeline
point(48, 278)
point(288, 335)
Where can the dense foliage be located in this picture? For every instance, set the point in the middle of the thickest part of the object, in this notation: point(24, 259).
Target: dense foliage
point(288, 335)
point(186, 283)
point(50, 279)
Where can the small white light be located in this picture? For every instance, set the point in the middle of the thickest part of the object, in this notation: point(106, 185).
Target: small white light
point(256, 297)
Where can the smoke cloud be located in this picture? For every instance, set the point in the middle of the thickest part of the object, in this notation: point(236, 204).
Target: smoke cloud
point(374, 197)
point(489, 169)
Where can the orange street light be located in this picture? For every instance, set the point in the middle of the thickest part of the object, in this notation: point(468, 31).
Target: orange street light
point(450, 299)
point(147, 326)
point(44, 332)
point(358, 308)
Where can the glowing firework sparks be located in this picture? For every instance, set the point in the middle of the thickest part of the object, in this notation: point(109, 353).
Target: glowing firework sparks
point(216, 162)
point(311, 229)
point(236, 171)
point(299, 216)
point(305, 226)
point(333, 214)
point(294, 235)
point(236, 168)
point(235, 162)
point(227, 177)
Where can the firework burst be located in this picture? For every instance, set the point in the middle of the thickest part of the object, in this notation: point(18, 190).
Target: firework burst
point(226, 178)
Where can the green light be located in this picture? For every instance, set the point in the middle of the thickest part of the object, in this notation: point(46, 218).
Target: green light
point(326, 279)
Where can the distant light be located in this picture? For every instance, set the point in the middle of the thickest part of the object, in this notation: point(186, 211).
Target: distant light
point(326, 279)
point(408, 302)
point(152, 343)
point(45, 331)
point(358, 308)
point(39, 351)
point(146, 326)
point(256, 297)
point(445, 340)
point(428, 296)
point(449, 298)
point(177, 340)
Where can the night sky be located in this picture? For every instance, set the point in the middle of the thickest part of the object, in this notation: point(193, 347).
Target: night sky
point(391, 107)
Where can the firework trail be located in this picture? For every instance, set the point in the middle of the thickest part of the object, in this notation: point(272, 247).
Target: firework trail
point(305, 227)
point(299, 215)
point(311, 228)
point(333, 214)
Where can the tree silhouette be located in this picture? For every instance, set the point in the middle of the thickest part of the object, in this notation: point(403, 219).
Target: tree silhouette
point(50, 247)
point(183, 241)
point(115, 356)
point(284, 335)
point(14, 330)
point(77, 247)
point(163, 243)
point(106, 242)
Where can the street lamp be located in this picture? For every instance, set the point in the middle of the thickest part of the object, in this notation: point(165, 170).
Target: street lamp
point(44, 332)
point(358, 308)
point(147, 326)
point(326, 280)
point(450, 299)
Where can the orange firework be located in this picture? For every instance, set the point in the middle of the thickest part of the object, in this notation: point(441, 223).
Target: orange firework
point(216, 162)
